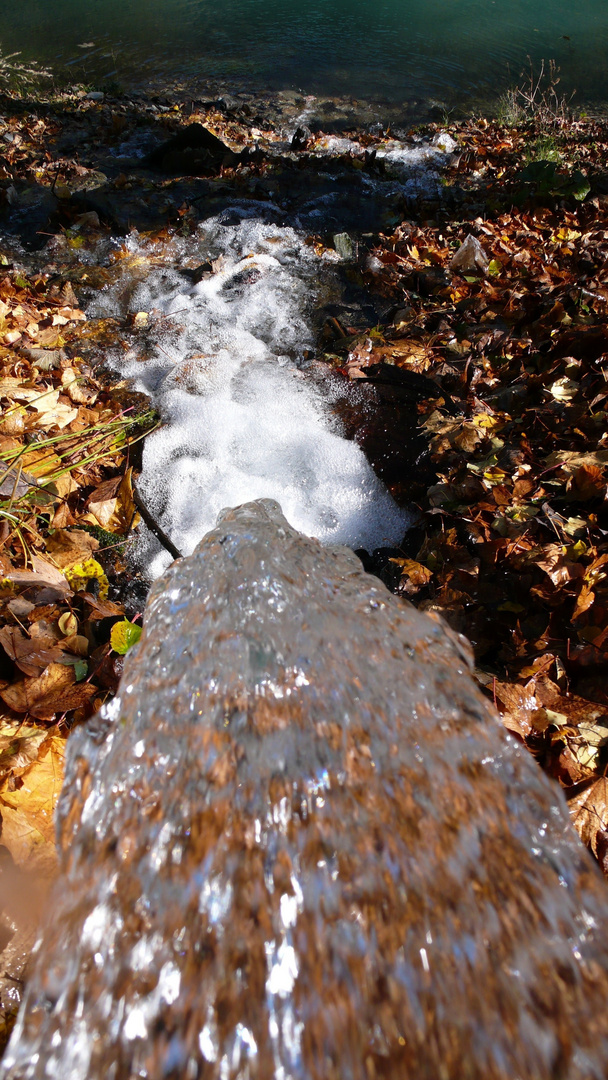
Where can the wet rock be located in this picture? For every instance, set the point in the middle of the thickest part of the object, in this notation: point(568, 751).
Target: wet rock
point(228, 104)
point(194, 151)
point(381, 416)
point(300, 138)
point(345, 246)
point(28, 213)
point(301, 844)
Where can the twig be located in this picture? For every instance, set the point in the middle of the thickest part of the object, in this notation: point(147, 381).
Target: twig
point(154, 527)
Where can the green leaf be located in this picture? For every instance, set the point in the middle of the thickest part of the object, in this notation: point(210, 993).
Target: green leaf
point(581, 186)
point(124, 635)
point(81, 670)
point(494, 268)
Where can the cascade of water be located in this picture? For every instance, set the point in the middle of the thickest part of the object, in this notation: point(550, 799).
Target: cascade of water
point(241, 420)
point(299, 845)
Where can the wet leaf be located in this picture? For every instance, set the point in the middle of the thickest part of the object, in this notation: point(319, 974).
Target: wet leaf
point(124, 635)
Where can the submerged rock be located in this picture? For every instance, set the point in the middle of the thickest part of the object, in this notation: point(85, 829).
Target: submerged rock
point(301, 845)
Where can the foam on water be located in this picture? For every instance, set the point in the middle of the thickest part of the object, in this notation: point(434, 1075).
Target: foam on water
point(241, 419)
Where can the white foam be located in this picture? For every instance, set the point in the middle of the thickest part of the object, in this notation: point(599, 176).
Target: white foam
point(417, 167)
point(241, 420)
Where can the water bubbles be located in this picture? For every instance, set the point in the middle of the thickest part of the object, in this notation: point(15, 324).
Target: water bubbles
point(283, 971)
point(241, 422)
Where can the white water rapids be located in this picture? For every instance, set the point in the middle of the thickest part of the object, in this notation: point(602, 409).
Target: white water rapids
point(240, 419)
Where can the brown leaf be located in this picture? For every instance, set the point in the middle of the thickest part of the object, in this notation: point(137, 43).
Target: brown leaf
point(102, 609)
point(111, 505)
point(19, 747)
point(587, 483)
point(518, 706)
point(67, 548)
point(53, 692)
point(43, 587)
point(31, 656)
point(80, 389)
point(414, 575)
point(584, 601)
point(102, 502)
point(556, 565)
point(589, 812)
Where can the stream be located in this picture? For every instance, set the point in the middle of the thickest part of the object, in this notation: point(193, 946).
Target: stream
point(224, 332)
point(299, 845)
point(227, 371)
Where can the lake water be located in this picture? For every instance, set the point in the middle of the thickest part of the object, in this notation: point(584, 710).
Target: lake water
point(455, 52)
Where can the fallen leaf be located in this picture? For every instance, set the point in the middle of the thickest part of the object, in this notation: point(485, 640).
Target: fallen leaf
point(69, 547)
point(415, 574)
point(31, 655)
point(589, 813)
point(28, 827)
point(124, 635)
point(587, 482)
point(102, 609)
point(564, 389)
point(53, 692)
point(19, 746)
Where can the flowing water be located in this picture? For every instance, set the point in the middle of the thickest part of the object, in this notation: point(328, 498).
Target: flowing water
point(405, 51)
point(225, 364)
point(299, 845)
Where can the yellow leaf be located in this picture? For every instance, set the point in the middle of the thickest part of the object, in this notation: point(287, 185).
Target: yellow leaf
point(78, 576)
point(576, 551)
point(124, 635)
point(28, 828)
point(564, 235)
point(487, 421)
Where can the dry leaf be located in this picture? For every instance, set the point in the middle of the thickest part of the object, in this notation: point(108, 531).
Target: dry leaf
point(31, 655)
point(19, 746)
point(28, 828)
point(589, 812)
point(42, 588)
point(111, 505)
point(67, 548)
point(54, 692)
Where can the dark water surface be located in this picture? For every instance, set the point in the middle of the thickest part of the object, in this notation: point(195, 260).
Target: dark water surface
point(456, 52)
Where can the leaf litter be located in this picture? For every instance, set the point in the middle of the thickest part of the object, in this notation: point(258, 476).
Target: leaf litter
point(65, 482)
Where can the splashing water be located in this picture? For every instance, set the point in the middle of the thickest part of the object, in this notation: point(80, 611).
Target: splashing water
point(241, 420)
point(300, 845)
